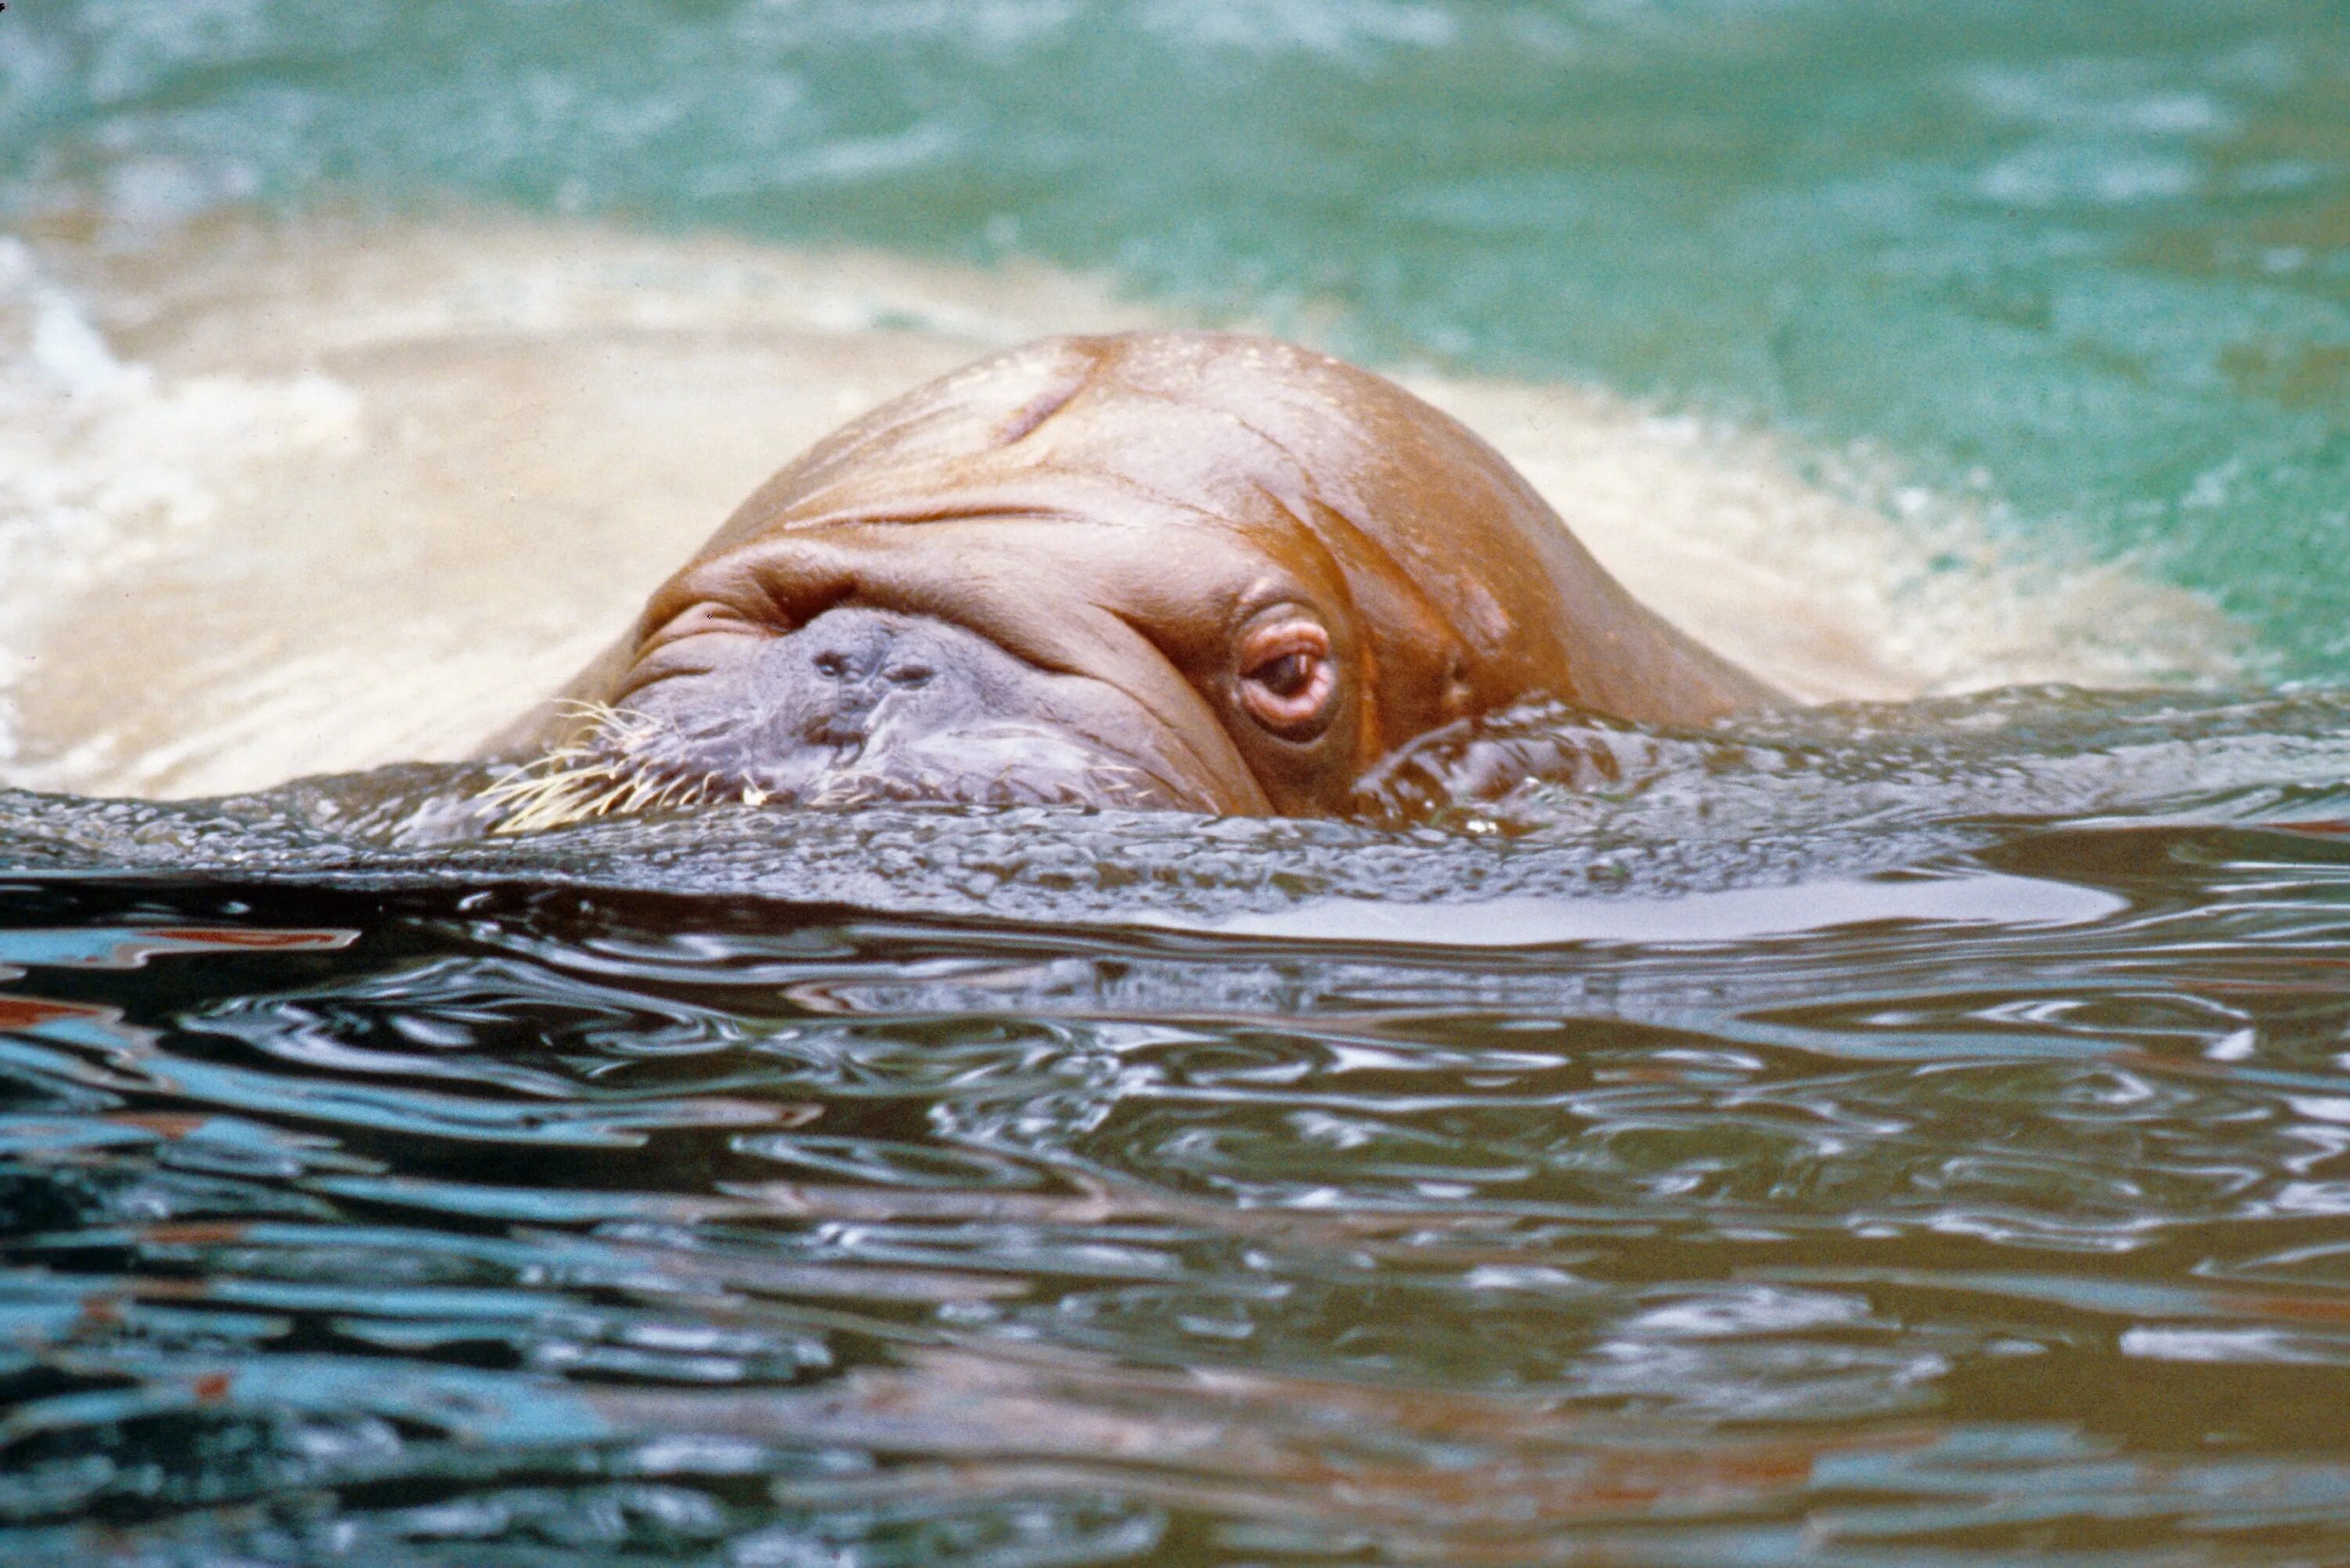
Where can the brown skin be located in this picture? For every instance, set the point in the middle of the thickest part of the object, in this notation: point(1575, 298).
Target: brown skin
point(1236, 572)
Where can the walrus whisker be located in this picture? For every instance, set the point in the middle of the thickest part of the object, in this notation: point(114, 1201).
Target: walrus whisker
point(602, 804)
point(553, 797)
point(542, 781)
point(596, 776)
point(559, 802)
point(640, 791)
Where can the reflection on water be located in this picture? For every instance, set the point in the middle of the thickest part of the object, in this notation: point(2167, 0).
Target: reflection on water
point(662, 1192)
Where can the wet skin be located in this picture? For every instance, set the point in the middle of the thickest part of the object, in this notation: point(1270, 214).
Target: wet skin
point(863, 704)
point(1189, 570)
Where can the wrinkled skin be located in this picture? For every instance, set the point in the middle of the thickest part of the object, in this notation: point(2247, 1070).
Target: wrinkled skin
point(1182, 569)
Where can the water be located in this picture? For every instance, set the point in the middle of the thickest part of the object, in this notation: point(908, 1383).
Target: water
point(1904, 1131)
point(1895, 1135)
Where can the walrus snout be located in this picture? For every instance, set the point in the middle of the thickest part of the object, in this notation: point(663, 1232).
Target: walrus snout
point(864, 704)
point(849, 670)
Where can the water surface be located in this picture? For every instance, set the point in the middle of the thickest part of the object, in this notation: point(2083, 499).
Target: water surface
point(1915, 1137)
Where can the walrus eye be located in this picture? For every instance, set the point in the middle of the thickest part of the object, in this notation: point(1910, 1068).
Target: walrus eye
point(1287, 680)
point(1287, 676)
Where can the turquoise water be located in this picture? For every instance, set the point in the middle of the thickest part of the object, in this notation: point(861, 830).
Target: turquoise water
point(1885, 1136)
point(2085, 267)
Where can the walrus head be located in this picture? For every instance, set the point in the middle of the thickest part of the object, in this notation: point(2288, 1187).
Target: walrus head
point(1173, 570)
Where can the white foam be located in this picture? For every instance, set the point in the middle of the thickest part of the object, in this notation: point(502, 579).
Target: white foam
point(1734, 915)
point(102, 461)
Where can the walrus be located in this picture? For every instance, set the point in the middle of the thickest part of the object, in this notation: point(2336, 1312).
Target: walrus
point(1167, 569)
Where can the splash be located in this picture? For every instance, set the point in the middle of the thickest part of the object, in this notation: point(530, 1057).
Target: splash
point(105, 463)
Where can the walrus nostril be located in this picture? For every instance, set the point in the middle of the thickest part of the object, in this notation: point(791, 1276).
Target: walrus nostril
point(834, 728)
